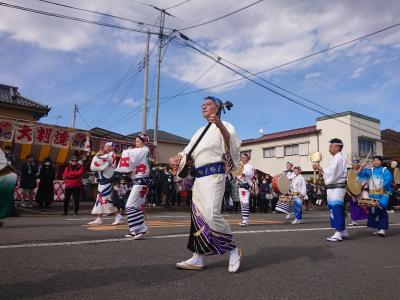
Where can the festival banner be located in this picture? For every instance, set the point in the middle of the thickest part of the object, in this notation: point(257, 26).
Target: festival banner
point(24, 134)
point(43, 135)
point(6, 131)
point(60, 138)
point(78, 141)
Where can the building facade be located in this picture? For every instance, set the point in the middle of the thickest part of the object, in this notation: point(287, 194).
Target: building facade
point(360, 134)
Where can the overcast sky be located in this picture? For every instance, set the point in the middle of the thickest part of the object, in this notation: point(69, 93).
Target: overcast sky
point(59, 62)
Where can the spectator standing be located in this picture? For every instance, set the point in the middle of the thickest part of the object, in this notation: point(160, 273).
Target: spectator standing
point(73, 183)
point(121, 193)
point(168, 187)
point(45, 192)
point(28, 181)
point(265, 195)
point(275, 196)
point(255, 194)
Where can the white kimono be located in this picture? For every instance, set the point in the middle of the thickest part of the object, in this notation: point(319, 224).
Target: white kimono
point(336, 172)
point(136, 162)
point(104, 166)
point(246, 177)
point(298, 185)
point(208, 191)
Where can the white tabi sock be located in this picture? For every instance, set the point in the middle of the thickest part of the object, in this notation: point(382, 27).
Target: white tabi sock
point(196, 260)
point(233, 256)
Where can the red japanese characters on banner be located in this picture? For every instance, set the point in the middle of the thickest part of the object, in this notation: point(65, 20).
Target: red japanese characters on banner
point(60, 138)
point(6, 131)
point(24, 134)
point(78, 140)
point(43, 135)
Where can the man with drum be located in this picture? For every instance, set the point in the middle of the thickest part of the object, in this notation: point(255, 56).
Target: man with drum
point(281, 184)
point(380, 187)
point(245, 183)
point(357, 212)
point(289, 171)
point(298, 191)
point(335, 181)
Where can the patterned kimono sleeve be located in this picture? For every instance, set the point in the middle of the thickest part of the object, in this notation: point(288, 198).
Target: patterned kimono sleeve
point(100, 163)
point(126, 163)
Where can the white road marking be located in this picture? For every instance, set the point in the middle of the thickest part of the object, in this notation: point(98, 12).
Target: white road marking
point(112, 218)
point(157, 237)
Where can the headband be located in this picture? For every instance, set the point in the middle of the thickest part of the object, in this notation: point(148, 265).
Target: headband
point(144, 138)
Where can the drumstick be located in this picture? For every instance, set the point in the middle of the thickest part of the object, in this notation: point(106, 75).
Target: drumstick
point(366, 160)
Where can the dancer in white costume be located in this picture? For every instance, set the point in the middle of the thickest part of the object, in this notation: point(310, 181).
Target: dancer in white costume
point(209, 232)
point(298, 192)
point(104, 164)
point(245, 183)
point(335, 175)
point(136, 162)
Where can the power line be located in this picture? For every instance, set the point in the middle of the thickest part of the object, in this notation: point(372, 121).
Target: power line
point(218, 60)
point(288, 63)
point(50, 14)
point(178, 4)
point(280, 87)
point(221, 17)
point(140, 23)
point(84, 120)
point(189, 85)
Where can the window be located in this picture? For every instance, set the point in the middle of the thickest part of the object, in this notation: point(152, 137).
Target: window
point(364, 146)
point(269, 152)
point(291, 150)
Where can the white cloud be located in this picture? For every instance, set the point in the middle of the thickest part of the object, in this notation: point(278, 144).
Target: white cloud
point(357, 73)
point(312, 75)
point(266, 35)
point(130, 102)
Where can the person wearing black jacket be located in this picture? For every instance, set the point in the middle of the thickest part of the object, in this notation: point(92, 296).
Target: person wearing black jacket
point(28, 180)
point(168, 187)
point(265, 189)
point(45, 193)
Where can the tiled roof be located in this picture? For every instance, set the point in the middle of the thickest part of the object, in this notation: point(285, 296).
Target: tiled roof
point(282, 134)
point(9, 95)
point(163, 136)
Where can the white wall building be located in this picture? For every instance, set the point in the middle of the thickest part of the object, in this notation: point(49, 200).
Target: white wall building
point(359, 133)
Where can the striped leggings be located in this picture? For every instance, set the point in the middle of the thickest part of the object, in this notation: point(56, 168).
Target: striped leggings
point(135, 209)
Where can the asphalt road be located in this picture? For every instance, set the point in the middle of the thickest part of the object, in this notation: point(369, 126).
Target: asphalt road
point(55, 257)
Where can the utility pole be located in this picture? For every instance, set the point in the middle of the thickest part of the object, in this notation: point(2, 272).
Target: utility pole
point(146, 80)
point(74, 115)
point(160, 40)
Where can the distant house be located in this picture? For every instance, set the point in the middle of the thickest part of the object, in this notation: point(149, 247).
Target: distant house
point(360, 134)
point(14, 105)
point(168, 144)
